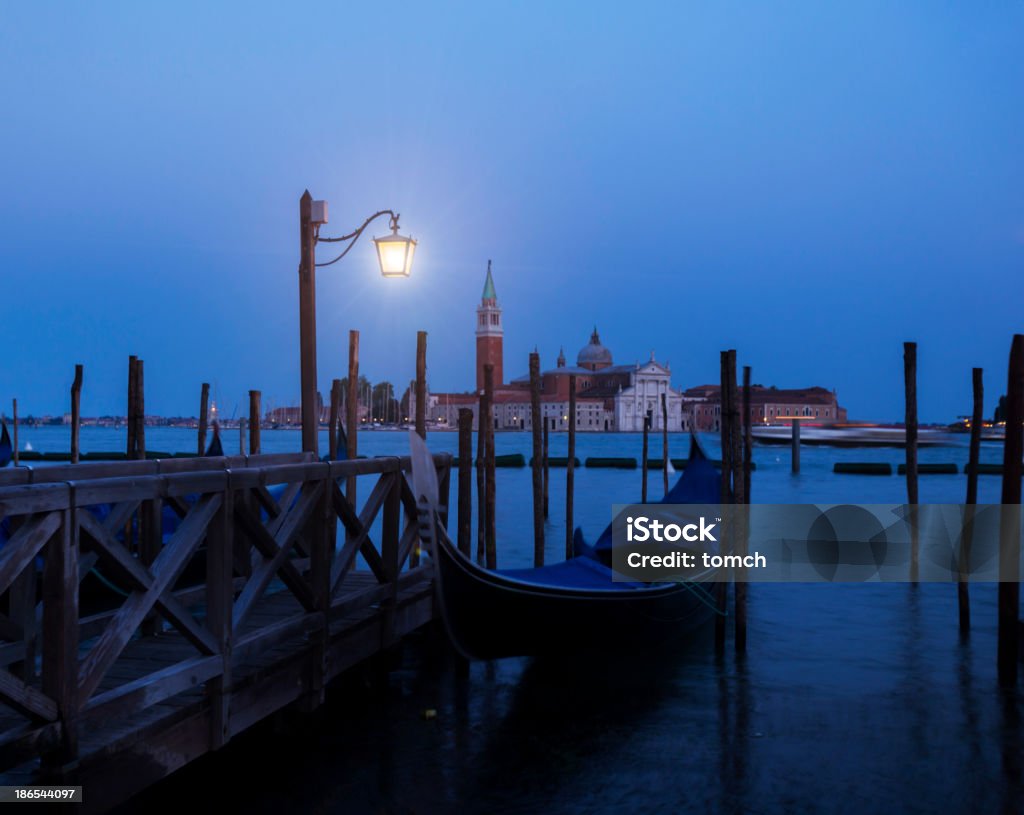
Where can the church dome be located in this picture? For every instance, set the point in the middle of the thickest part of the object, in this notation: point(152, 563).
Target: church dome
point(593, 355)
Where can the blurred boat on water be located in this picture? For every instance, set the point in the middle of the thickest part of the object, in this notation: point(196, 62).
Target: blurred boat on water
point(859, 435)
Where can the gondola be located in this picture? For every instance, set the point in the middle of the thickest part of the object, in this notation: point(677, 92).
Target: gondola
point(6, 449)
point(567, 607)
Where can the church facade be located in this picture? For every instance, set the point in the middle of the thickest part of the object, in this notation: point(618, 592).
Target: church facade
point(609, 397)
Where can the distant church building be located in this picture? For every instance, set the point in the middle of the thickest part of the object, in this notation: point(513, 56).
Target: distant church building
point(609, 397)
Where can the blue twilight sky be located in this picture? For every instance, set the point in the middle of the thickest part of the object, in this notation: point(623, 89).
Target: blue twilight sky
point(809, 183)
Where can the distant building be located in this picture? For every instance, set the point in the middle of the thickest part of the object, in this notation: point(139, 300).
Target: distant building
point(609, 397)
point(767, 406)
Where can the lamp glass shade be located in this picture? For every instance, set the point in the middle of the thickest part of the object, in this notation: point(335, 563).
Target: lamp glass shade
point(395, 253)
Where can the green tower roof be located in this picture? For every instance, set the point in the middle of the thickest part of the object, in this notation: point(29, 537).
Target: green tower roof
point(489, 293)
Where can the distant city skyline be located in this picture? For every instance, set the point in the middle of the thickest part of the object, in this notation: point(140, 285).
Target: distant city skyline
point(810, 188)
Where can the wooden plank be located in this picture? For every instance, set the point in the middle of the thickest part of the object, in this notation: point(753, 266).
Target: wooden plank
point(219, 600)
point(389, 554)
point(25, 742)
point(266, 545)
point(294, 520)
point(358, 528)
point(25, 699)
point(168, 566)
point(151, 689)
point(142, 580)
point(25, 499)
point(116, 490)
point(24, 545)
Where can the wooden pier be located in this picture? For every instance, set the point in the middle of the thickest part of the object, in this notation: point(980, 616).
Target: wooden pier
point(254, 603)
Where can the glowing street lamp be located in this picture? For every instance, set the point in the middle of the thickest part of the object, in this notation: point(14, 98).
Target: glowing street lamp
point(394, 254)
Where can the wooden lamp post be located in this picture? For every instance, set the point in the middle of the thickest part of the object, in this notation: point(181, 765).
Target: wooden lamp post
point(394, 254)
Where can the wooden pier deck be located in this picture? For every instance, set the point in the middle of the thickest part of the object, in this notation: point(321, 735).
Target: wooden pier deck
point(251, 603)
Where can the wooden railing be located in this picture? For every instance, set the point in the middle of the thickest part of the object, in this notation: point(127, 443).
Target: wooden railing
point(256, 563)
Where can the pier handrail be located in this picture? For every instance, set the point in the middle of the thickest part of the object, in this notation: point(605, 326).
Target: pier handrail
point(253, 563)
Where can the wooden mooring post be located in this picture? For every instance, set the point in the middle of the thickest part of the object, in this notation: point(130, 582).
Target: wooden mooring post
point(748, 435)
point(1010, 524)
point(483, 417)
point(728, 387)
point(538, 477)
point(665, 463)
point(465, 531)
point(795, 442)
point(241, 436)
point(352, 410)
point(204, 418)
point(570, 469)
point(741, 477)
point(910, 386)
point(138, 420)
point(544, 464)
point(255, 419)
point(421, 384)
point(643, 459)
point(14, 420)
point(76, 413)
point(977, 419)
point(130, 418)
point(490, 493)
point(334, 418)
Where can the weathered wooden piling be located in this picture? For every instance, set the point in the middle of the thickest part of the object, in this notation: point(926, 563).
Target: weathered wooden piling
point(742, 479)
point(14, 420)
point(1010, 524)
point(76, 413)
point(643, 460)
point(130, 418)
point(910, 386)
point(570, 469)
point(977, 419)
point(204, 413)
point(241, 436)
point(465, 481)
point(140, 411)
point(795, 441)
point(538, 477)
point(352, 410)
point(421, 384)
point(483, 418)
point(255, 419)
point(544, 464)
point(665, 463)
point(748, 436)
point(728, 365)
point(333, 420)
point(489, 477)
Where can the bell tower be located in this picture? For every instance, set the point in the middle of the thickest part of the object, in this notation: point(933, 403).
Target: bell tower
point(489, 334)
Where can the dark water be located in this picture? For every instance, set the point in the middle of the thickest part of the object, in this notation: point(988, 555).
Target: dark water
point(851, 699)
